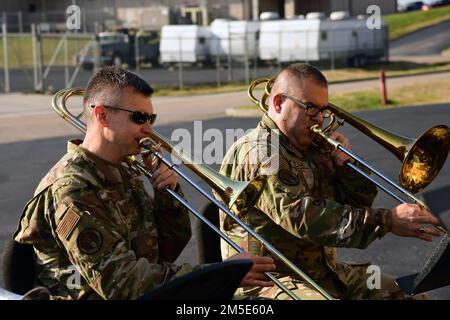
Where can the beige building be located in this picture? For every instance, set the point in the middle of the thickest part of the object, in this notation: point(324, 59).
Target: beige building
point(155, 13)
point(289, 8)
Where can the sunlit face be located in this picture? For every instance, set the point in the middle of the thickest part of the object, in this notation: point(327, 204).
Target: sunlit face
point(295, 123)
point(124, 134)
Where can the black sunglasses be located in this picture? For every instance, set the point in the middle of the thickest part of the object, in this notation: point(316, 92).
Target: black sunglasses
point(311, 110)
point(138, 117)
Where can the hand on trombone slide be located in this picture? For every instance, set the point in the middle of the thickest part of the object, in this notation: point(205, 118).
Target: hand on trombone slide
point(409, 220)
point(162, 176)
point(339, 157)
point(256, 277)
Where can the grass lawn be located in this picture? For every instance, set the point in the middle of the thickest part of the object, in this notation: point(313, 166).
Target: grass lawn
point(407, 22)
point(432, 92)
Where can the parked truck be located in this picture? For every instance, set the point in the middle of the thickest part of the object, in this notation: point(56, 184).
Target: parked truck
point(187, 44)
point(120, 47)
point(315, 38)
point(238, 39)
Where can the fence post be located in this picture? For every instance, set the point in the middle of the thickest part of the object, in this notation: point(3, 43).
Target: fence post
point(383, 88)
point(20, 21)
point(230, 71)
point(247, 69)
point(279, 51)
point(41, 59)
point(96, 49)
point(180, 65)
point(307, 46)
point(66, 61)
point(85, 21)
point(5, 54)
point(218, 65)
point(96, 53)
point(35, 63)
point(333, 53)
point(255, 56)
point(136, 51)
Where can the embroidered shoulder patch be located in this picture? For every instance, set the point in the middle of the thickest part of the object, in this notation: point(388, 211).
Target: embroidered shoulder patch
point(89, 241)
point(67, 224)
point(288, 178)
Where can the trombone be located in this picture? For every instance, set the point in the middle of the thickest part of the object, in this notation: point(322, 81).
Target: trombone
point(241, 196)
point(422, 158)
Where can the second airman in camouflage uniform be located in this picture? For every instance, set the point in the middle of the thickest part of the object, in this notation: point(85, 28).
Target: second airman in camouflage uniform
point(311, 203)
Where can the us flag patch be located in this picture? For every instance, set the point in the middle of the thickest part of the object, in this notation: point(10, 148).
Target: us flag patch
point(67, 224)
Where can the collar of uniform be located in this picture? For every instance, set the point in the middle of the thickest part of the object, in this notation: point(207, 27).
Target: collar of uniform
point(107, 171)
point(268, 123)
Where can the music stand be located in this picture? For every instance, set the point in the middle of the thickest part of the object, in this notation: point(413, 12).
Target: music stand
point(217, 281)
point(438, 200)
point(436, 271)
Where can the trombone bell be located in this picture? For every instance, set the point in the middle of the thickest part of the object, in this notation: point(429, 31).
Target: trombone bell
point(425, 158)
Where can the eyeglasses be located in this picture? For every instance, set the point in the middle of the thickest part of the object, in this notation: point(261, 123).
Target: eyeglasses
point(311, 110)
point(138, 117)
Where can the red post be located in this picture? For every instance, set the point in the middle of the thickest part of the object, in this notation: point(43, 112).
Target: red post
point(383, 91)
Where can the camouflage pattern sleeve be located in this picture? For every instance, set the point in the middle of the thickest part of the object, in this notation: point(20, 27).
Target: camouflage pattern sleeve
point(174, 227)
point(321, 220)
point(354, 189)
point(98, 245)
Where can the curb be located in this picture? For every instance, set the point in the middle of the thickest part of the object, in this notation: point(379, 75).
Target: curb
point(245, 113)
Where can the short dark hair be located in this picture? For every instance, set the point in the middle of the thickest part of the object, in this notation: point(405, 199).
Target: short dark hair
point(110, 80)
point(306, 71)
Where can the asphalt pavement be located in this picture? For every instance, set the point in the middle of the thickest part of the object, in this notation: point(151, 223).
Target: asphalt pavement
point(23, 164)
point(26, 117)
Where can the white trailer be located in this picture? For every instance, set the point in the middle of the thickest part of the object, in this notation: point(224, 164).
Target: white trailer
point(184, 43)
point(239, 39)
point(320, 39)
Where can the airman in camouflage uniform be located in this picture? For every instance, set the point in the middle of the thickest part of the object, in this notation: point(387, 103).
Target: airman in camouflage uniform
point(97, 234)
point(97, 217)
point(311, 203)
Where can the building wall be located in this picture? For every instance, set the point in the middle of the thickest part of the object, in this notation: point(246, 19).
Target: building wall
point(303, 7)
point(104, 11)
point(355, 7)
point(289, 9)
point(386, 6)
point(238, 10)
point(340, 5)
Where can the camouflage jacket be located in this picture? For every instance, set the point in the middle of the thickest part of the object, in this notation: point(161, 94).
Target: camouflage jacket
point(307, 207)
point(98, 234)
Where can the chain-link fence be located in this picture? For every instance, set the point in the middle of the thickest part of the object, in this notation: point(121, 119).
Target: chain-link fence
point(199, 58)
point(42, 61)
point(39, 61)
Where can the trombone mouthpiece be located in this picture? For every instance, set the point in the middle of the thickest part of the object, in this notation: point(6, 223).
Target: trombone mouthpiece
point(146, 143)
point(150, 145)
point(315, 128)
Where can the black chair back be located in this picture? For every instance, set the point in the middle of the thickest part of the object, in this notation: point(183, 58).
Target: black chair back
point(19, 272)
point(208, 241)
